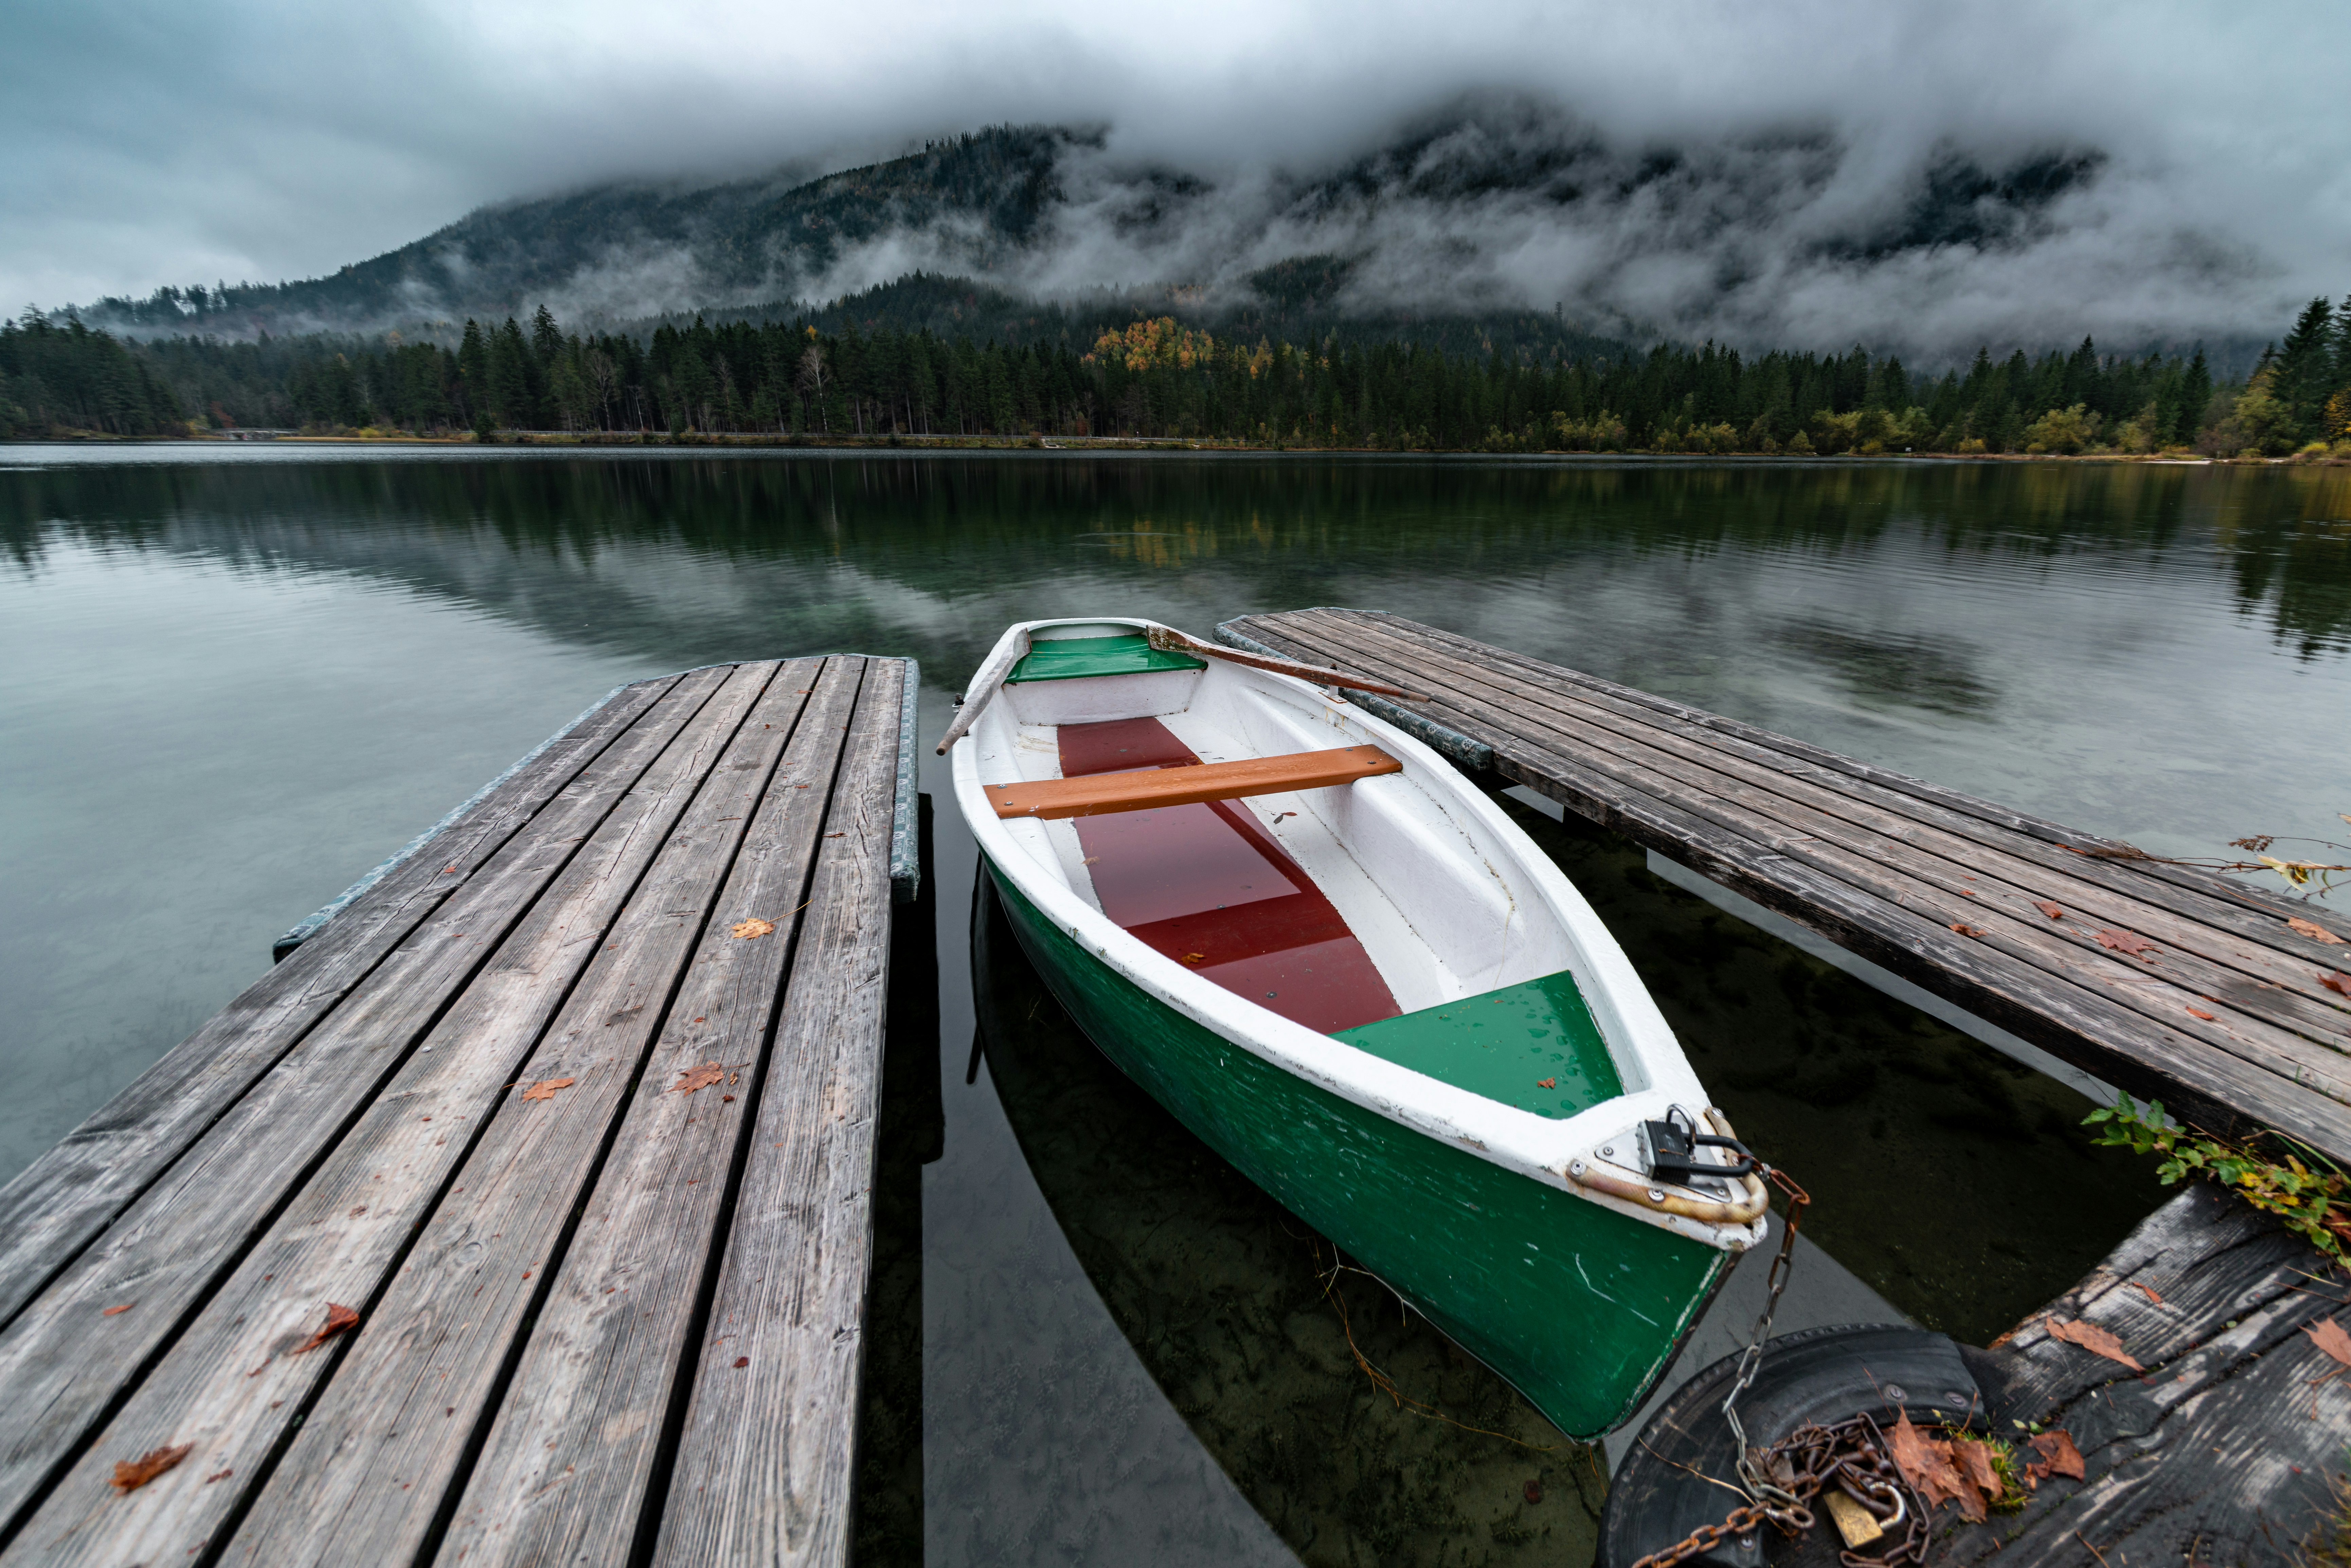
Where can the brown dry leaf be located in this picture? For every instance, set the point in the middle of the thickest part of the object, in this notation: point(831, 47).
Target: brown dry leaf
point(2150, 1291)
point(1967, 930)
point(123, 1308)
point(2328, 1335)
point(546, 1087)
point(129, 1475)
point(2200, 1013)
point(1926, 1462)
point(2315, 931)
point(2049, 909)
point(751, 930)
point(339, 1318)
point(1973, 1460)
point(694, 1078)
point(1546, 1082)
point(2124, 942)
point(2338, 982)
point(2059, 1457)
point(2092, 1338)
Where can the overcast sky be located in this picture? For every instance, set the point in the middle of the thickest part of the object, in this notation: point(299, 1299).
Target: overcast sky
point(153, 144)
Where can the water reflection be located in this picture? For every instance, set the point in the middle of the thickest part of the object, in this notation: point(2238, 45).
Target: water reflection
point(243, 680)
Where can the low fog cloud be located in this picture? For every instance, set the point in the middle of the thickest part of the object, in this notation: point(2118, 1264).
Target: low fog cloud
point(1754, 172)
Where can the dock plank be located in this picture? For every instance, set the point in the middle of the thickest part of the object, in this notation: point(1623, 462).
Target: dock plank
point(2115, 893)
point(2220, 1450)
point(1878, 862)
point(538, 905)
point(764, 1463)
point(571, 1462)
point(1844, 839)
point(2242, 906)
point(54, 1208)
point(385, 1441)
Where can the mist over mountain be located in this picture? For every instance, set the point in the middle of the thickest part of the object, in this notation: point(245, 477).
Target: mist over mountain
point(1495, 210)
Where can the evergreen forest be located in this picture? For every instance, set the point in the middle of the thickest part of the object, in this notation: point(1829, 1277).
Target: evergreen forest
point(847, 373)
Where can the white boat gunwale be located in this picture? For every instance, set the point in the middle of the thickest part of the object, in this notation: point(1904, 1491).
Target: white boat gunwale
point(1552, 1152)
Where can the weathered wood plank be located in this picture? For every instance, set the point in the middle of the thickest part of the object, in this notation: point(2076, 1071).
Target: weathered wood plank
point(1102, 794)
point(1922, 869)
point(2063, 961)
point(2262, 908)
point(2288, 989)
point(54, 1206)
point(67, 1362)
point(380, 1448)
point(2220, 1451)
point(1730, 821)
point(2124, 1049)
point(569, 1465)
point(764, 1459)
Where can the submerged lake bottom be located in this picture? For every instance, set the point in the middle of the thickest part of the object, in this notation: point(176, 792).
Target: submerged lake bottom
point(1089, 1340)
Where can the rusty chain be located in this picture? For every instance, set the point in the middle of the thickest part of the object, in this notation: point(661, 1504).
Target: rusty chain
point(1853, 1455)
point(1783, 1480)
point(1752, 1474)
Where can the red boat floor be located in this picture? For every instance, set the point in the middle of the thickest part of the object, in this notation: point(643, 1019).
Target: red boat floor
point(1206, 885)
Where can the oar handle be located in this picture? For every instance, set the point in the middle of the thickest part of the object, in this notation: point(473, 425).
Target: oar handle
point(983, 686)
point(1169, 640)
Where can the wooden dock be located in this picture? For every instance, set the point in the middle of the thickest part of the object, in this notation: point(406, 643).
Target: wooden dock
point(2227, 1446)
point(2167, 982)
point(522, 1213)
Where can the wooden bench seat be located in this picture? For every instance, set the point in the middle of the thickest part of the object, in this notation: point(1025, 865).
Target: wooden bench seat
point(1098, 794)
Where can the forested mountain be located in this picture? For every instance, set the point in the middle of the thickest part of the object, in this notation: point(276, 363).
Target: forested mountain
point(1499, 218)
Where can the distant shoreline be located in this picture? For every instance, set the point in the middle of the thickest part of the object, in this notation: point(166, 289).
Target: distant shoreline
point(737, 441)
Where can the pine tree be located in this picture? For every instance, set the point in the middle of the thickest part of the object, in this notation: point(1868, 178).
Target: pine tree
point(474, 375)
point(2195, 395)
point(2305, 368)
point(546, 341)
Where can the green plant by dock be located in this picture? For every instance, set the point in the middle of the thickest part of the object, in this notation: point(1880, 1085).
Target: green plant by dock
point(2309, 1198)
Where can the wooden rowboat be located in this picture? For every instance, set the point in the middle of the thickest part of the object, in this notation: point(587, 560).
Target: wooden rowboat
point(1345, 970)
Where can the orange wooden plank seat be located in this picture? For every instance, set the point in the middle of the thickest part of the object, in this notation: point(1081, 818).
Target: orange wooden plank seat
point(1098, 794)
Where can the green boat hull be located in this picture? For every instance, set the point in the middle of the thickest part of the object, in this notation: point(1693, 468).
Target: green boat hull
point(1581, 1308)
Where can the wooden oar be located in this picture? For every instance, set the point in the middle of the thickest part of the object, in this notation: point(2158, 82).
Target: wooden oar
point(983, 686)
point(1169, 640)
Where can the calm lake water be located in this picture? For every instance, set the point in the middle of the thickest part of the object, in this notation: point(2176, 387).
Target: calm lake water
point(237, 678)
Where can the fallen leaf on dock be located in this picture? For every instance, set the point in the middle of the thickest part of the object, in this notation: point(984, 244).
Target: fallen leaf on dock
point(2149, 1290)
point(2124, 942)
point(2328, 1335)
point(129, 1475)
point(546, 1087)
point(339, 1318)
point(2092, 1338)
point(2049, 909)
point(751, 930)
point(1926, 1463)
point(2312, 929)
point(123, 1308)
point(2058, 1456)
point(2200, 1013)
point(2338, 982)
point(1975, 1463)
point(694, 1078)
point(1967, 930)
